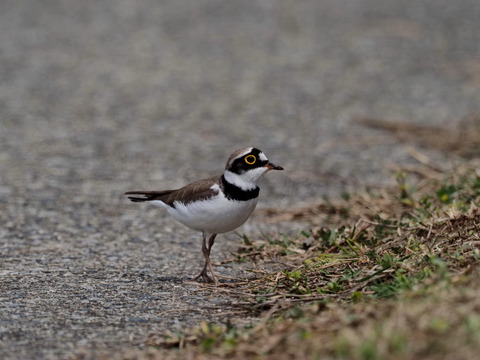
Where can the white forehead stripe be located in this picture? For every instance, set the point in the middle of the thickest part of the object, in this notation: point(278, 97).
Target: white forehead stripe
point(262, 156)
point(247, 150)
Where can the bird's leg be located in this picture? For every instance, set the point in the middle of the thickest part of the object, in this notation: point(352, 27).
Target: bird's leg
point(203, 274)
point(206, 253)
point(211, 241)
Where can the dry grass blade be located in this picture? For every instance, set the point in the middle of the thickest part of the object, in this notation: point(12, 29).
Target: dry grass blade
point(462, 139)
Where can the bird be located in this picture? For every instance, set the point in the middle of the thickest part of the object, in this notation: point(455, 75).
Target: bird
point(215, 205)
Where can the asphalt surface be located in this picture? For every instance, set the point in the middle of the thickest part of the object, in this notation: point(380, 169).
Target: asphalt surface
point(101, 97)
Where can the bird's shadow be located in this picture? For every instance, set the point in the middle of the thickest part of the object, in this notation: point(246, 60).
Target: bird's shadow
point(223, 282)
point(170, 279)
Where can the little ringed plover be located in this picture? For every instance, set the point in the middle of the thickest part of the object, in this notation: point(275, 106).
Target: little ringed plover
point(218, 204)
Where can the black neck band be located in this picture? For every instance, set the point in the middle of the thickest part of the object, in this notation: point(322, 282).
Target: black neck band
point(233, 192)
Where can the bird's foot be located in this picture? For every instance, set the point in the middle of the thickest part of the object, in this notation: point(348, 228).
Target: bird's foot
point(205, 277)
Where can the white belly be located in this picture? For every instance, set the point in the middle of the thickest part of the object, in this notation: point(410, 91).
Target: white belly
point(215, 216)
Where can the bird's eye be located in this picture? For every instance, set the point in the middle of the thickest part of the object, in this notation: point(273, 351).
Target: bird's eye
point(250, 159)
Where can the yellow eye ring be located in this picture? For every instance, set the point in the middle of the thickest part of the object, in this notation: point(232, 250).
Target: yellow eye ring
point(250, 159)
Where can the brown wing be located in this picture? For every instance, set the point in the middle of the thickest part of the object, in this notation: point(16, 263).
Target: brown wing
point(198, 190)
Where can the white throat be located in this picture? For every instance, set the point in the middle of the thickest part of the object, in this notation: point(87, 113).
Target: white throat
point(246, 181)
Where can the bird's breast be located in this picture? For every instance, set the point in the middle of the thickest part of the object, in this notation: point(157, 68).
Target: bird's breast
point(216, 215)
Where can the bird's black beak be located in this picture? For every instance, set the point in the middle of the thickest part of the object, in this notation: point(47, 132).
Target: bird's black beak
point(272, 166)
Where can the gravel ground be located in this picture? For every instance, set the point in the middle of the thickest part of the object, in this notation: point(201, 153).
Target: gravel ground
point(100, 97)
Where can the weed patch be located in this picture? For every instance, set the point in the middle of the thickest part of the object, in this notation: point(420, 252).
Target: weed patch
point(394, 275)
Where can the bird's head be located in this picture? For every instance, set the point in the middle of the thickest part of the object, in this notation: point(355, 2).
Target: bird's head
point(246, 166)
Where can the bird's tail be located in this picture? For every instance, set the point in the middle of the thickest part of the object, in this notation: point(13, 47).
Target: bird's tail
point(142, 196)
